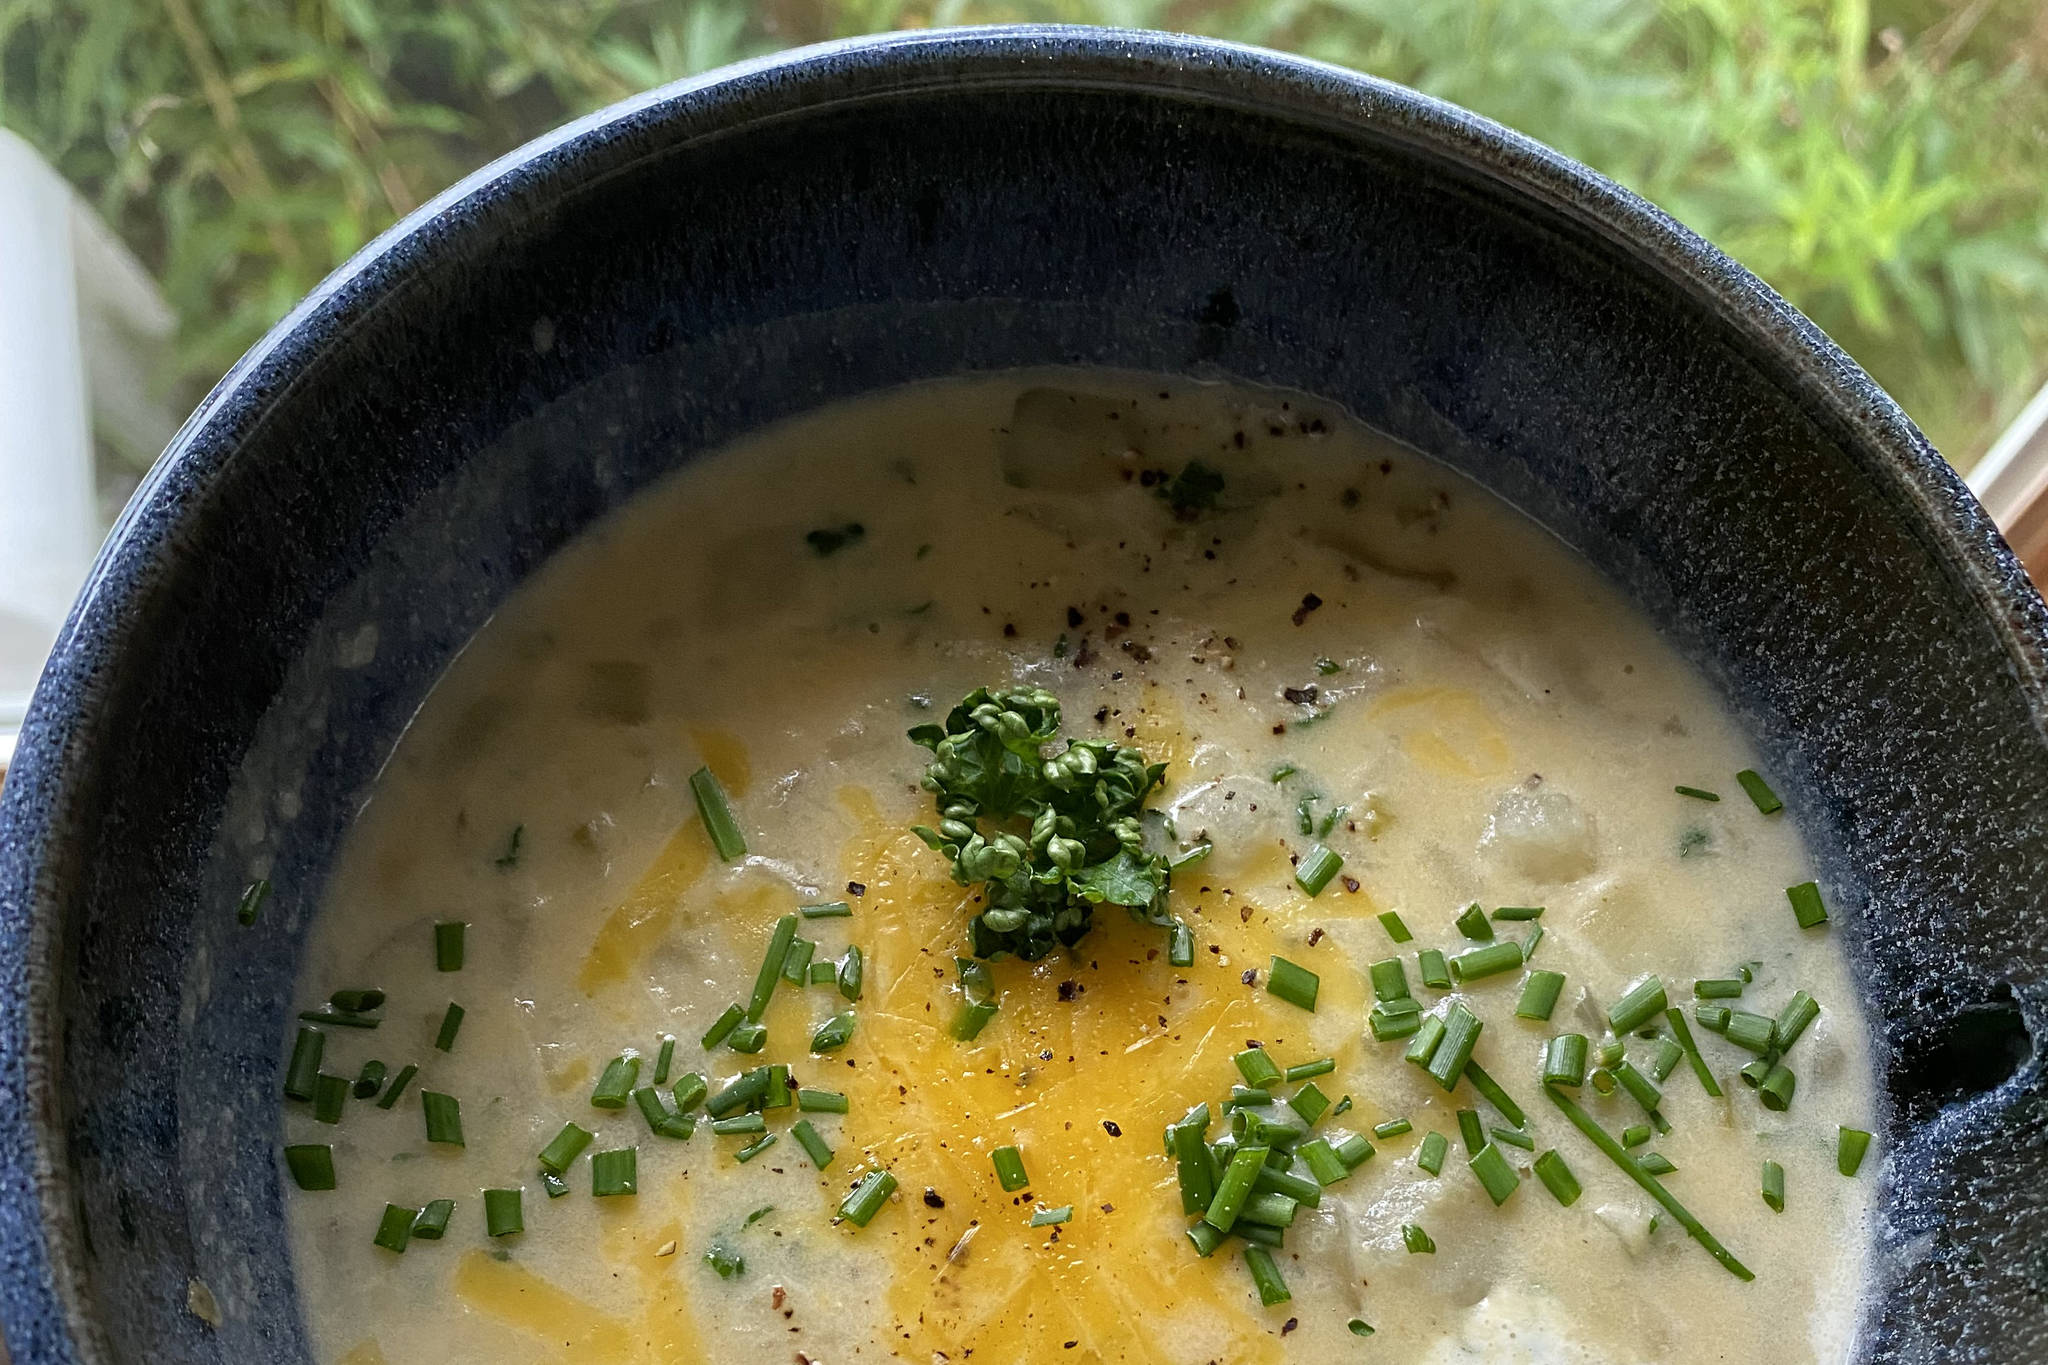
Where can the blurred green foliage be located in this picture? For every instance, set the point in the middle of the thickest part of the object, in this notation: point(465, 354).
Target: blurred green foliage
point(1883, 163)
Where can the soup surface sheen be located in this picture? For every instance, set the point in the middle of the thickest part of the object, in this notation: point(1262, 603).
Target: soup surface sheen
point(1477, 718)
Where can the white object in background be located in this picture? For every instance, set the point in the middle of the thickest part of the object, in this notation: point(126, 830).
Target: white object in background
point(78, 315)
point(2012, 483)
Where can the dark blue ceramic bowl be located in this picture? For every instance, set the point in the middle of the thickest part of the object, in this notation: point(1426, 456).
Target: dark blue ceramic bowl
point(523, 354)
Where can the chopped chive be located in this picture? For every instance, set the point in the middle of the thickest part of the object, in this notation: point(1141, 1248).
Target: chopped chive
point(1359, 1327)
point(1717, 988)
point(330, 1097)
point(394, 1229)
point(1416, 1240)
point(834, 1033)
point(1539, 995)
point(1180, 946)
point(1472, 922)
point(398, 1085)
point(1529, 943)
point(311, 1165)
point(770, 971)
point(1564, 1060)
point(1471, 1131)
point(1850, 1146)
point(1747, 971)
point(303, 1072)
point(748, 1038)
point(796, 963)
point(1323, 1162)
point(1635, 1135)
point(1518, 912)
point(1490, 1091)
point(1389, 980)
point(1422, 1047)
point(1309, 1102)
point(1807, 908)
point(1683, 1032)
point(824, 971)
point(341, 1018)
point(1305, 814)
point(448, 945)
point(1558, 1178)
point(1234, 1188)
point(1266, 1276)
point(755, 1148)
point(1043, 1217)
point(1430, 1157)
point(828, 910)
point(1277, 1130)
point(1321, 1066)
point(744, 1091)
point(1713, 1018)
point(451, 1024)
point(1775, 1090)
point(1640, 1087)
point(1295, 984)
point(1205, 1237)
point(615, 1172)
point(1649, 1184)
point(1009, 1164)
point(689, 1091)
point(1435, 971)
point(716, 812)
point(656, 1112)
point(1189, 858)
point(821, 1102)
point(503, 1212)
point(566, 1146)
point(1494, 958)
point(1258, 1068)
point(1637, 1006)
point(432, 1223)
point(1665, 1061)
point(1602, 1080)
point(555, 1186)
point(850, 973)
point(616, 1084)
point(1750, 1031)
point(722, 1028)
point(1354, 1151)
point(1498, 1178)
point(1513, 1137)
point(1696, 793)
point(1396, 929)
point(369, 1080)
point(664, 1059)
point(1609, 1053)
point(1792, 1020)
point(1774, 1186)
point(778, 1094)
point(1767, 802)
point(357, 1000)
point(1195, 1167)
point(250, 903)
point(1656, 1163)
point(1389, 1025)
point(1392, 1128)
point(1248, 1097)
point(1753, 1074)
point(739, 1125)
point(866, 1198)
point(1264, 1208)
point(1461, 1031)
point(444, 1117)
point(1317, 866)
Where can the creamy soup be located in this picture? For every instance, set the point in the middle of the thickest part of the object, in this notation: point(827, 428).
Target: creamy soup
point(1338, 650)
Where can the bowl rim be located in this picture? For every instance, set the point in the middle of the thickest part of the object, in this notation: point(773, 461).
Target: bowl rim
point(44, 1300)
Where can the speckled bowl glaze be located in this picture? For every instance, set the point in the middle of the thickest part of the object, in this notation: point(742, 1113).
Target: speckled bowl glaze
point(524, 353)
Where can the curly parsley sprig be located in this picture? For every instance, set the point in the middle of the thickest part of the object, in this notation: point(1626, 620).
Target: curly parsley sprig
point(1049, 833)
